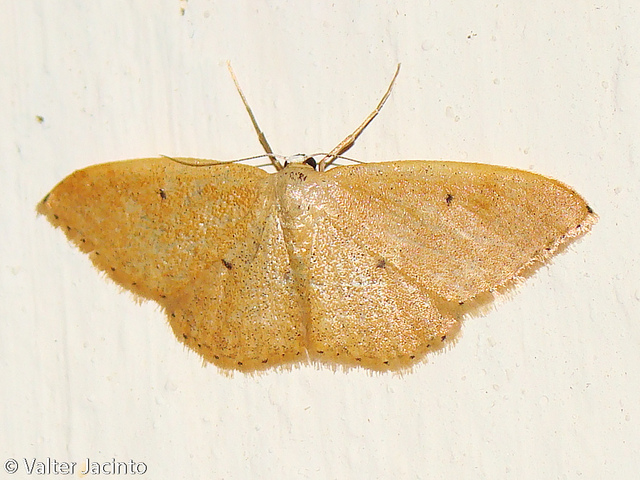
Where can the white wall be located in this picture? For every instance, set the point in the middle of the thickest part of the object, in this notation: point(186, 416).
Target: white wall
point(545, 386)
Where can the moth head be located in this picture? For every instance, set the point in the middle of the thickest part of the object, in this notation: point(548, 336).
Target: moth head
point(301, 158)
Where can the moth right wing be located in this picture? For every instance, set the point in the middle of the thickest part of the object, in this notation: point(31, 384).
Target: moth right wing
point(459, 230)
point(363, 310)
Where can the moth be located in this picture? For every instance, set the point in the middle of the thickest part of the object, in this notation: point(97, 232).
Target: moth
point(370, 265)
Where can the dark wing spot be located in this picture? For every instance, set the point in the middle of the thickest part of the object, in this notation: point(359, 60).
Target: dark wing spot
point(162, 193)
point(589, 209)
point(449, 199)
point(382, 263)
point(227, 264)
point(443, 338)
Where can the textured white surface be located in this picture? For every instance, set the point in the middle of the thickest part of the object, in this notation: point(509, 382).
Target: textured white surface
point(545, 386)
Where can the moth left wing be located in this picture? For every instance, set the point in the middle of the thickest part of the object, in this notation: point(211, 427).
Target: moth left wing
point(148, 223)
point(203, 242)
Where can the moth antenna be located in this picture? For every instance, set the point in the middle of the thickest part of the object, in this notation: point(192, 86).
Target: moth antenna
point(348, 142)
point(349, 159)
point(340, 157)
point(196, 162)
point(261, 137)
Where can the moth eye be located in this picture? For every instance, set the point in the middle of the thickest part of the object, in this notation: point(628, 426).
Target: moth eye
point(311, 162)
